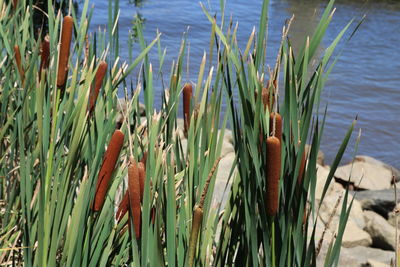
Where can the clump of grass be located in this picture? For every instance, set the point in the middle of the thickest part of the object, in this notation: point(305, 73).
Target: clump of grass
point(55, 172)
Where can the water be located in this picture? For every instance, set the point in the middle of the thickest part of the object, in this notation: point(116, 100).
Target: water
point(364, 83)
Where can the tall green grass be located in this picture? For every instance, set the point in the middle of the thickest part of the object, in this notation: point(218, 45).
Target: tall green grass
point(52, 149)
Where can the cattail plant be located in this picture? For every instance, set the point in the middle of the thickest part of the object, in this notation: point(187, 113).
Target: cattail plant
point(18, 61)
point(123, 206)
point(107, 168)
point(273, 172)
point(198, 216)
point(15, 4)
point(44, 55)
point(275, 122)
point(66, 36)
point(142, 177)
point(187, 96)
point(134, 195)
point(98, 81)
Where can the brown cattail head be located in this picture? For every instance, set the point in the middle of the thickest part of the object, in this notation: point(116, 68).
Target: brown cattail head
point(98, 81)
point(302, 169)
point(273, 172)
point(196, 224)
point(144, 158)
point(142, 177)
point(134, 195)
point(265, 98)
point(107, 168)
point(187, 96)
point(15, 3)
point(278, 125)
point(66, 36)
point(45, 55)
point(123, 207)
point(18, 61)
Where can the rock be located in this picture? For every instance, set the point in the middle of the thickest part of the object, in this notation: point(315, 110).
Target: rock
point(362, 255)
point(392, 216)
point(222, 181)
point(345, 259)
point(374, 263)
point(379, 201)
point(322, 175)
point(354, 236)
point(228, 136)
point(226, 148)
point(320, 156)
point(180, 123)
point(328, 207)
point(382, 233)
point(365, 173)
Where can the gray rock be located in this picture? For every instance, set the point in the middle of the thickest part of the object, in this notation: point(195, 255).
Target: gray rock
point(392, 216)
point(374, 263)
point(362, 255)
point(354, 236)
point(222, 181)
point(365, 173)
point(382, 233)
point(379, 201)
point(227, 148)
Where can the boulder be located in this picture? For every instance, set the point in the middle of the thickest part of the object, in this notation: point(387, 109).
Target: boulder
point(392, 216)
point(382, 233)
point(222, 181)
point(374, 263)
point(328, 207)
point(228, 136)
point(363, 254)
point(322, 175)
point(227, 148)
point(379, 201)
point(365, 173)
point(354, 236)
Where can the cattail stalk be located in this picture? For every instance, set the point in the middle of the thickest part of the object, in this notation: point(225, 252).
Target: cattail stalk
point(196, 224)
point(273, 173)
point(134, 195)
point(187, 96)
point(142, 177)
point(275, 122)
point(44, 55)
point(107, 168)
point(265, 98)
point(198, 216)
point(66, 36)
point(123, 207)
point(98, 81)
point(18, 61)
point(144, 158)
